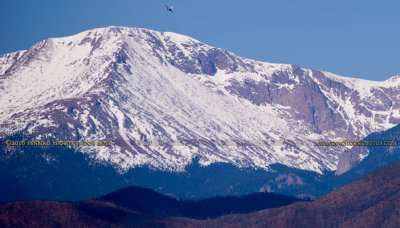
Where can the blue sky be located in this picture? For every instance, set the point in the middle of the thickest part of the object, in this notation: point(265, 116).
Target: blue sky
point(351, 38)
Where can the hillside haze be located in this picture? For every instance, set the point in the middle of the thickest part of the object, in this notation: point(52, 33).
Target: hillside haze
point(164, 99)
point(372, 201)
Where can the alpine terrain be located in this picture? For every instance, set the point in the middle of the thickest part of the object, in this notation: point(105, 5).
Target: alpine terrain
point(163, 99)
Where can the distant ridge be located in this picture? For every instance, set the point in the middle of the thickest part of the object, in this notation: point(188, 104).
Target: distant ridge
point(373, 201)
point(151, 202)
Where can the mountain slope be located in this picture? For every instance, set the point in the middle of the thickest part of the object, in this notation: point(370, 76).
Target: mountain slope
point(150, 202)
point(372, 201)
point(163, 99)
point(131, 206)
point(60, 173)
point(362, 158)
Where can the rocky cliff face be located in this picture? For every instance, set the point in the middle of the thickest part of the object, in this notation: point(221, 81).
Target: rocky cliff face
point(164, 99)
point(371, 157)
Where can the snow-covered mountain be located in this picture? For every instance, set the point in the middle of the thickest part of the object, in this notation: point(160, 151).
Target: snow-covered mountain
point(164, 99)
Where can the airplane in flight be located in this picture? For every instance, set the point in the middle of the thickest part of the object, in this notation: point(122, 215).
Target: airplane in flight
point(169, 8)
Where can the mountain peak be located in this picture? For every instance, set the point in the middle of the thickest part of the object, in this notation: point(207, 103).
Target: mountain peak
point(165, 99)
point(131, 31)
